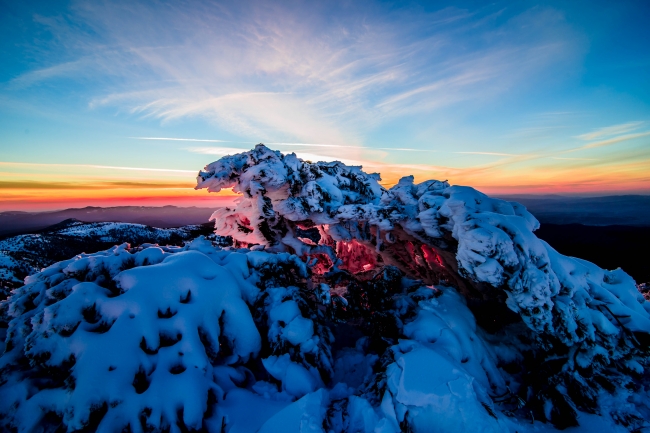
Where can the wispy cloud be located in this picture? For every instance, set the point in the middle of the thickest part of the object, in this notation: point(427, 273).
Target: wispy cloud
point(247, 142)
point(13, 185)
point(226, 150)
point(222, 151)
point(305, 155)
point(406, 149)
point(180, 139)
point(104, 167)
point(36, 76)
point(611, 141)
point(338, 146)
point(573, 159)
point(304, 145)
point(488, 153)
point(611, 130)
point(288, 73)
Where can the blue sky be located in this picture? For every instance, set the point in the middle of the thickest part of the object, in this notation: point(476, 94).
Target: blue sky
point(509, 97)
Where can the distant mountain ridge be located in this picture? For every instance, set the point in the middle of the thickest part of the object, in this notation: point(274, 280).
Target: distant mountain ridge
point(622, 210)
point(17, 222)
point(26, 254)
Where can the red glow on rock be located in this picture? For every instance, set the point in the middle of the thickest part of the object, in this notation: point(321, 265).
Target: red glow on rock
point(356, 257)
point(320, 263)
point(307, 241)
point(431, 256)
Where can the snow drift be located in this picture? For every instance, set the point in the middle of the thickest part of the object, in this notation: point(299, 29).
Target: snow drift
point(343, 306)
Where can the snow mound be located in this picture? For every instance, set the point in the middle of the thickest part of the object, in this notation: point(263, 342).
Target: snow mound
point(144, 341)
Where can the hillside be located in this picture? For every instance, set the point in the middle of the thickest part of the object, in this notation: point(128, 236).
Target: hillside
point(621, 210)
point(15, 222)
point(27, 254)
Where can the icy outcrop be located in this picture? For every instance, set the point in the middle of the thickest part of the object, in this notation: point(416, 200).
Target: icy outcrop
point(491, 241)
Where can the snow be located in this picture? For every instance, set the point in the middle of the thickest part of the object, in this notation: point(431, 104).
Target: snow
point(445, 396)
point(24, 255)
point(342, 307)
point(304, 416)
point(109, 230)
point(238, 407)
point(296, 380)
point(7, 268)
point(113, 339)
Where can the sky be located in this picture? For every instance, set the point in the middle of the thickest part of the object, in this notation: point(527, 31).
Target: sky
point(121, 103)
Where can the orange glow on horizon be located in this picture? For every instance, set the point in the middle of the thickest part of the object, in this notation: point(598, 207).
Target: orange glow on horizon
point(83, 187)
point(30, 200)
point(53, 199)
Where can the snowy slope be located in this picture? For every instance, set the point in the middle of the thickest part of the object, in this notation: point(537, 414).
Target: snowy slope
point(108, 231)
point(26, 254)
point(160, 338)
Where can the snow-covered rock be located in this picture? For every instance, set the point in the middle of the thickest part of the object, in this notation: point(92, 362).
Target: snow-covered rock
point(591, 318)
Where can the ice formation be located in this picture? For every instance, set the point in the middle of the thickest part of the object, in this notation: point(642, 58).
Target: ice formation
point(342, 307)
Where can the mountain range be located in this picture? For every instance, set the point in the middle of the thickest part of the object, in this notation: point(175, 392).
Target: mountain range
point(622, 210)
point(16, 222)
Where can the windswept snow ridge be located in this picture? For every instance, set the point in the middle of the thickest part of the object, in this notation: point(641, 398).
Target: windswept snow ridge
point(342, 307)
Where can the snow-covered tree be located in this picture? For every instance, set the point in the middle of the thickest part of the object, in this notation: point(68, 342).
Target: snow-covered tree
point(342, 307)
point(592, 323)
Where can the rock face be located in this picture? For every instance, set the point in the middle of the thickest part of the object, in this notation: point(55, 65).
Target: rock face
point(343, 306)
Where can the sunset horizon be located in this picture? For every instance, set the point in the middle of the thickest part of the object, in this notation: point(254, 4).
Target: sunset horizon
point(112, 190)
point(509, 98)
